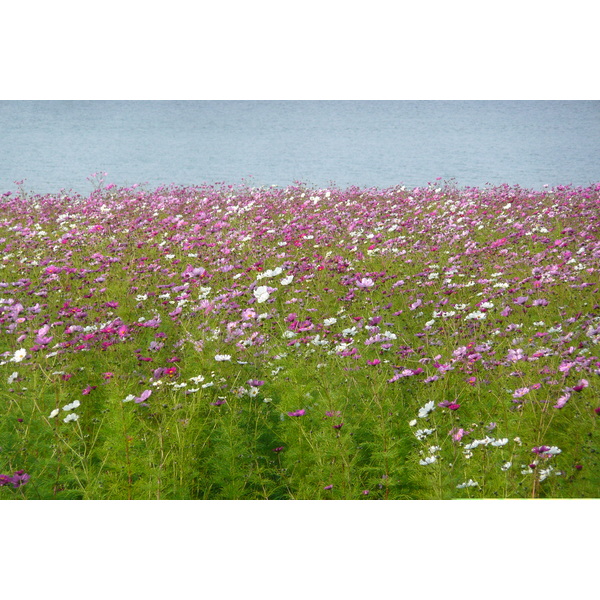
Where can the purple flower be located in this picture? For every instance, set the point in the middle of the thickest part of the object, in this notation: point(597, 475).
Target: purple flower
point(328, 487)
point(297, 413)
point(143, 396)
point(338, 426)
point(255, 382)
point(278, 449)
point(519, 393)
point(540, 449)
point(583, 383)
point(330, 413)
point(20, 478)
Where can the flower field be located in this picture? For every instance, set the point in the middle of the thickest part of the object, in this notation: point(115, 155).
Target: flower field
point(223, 342)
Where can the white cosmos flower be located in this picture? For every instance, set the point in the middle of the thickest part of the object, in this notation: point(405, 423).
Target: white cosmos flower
point(476, 315)
point(270, 273)
point(12, 377)
point(421, 434)
point(331, 321)
point(53, 413)
point(287, 280)
point(261, 293)
point(71, 417)
point(469, 483)
point(499, 443)
point(222, 357)
point(425, 410)
point(129, 398)
point(71, 406)
point(19, 355)
point(428, 460)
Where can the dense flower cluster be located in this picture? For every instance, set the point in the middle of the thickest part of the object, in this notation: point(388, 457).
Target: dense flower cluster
point(462, 304)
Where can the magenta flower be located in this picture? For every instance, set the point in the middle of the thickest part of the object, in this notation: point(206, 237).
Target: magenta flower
point(17, 480)
point(297, 413)
point(338, 426)
point(88, 389)
point(454, 406)
point(328, 487)
point(374, 362)
point(278, 449)
point(582, 384)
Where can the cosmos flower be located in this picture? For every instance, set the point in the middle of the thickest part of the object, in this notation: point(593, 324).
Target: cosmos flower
point(261, 293)
point(466, 484)
point(72, 405)
point(426, 409)
point(19, 355)
point(297, 413)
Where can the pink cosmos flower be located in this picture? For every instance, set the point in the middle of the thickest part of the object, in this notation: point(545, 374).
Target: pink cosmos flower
point(519, 393)
point(416, 304)
point(365, 282)
point(143, 396)
point(457, 434)
point(297, 413)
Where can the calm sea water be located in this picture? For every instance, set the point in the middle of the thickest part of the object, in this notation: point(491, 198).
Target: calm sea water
point(56, 145)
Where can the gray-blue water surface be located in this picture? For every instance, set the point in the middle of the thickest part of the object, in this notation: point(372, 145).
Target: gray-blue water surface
point(54, 145)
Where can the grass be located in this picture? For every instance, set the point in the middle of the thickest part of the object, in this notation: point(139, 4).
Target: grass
point(264, 343)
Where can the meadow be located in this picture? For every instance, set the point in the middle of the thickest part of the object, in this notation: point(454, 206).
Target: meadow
point(231, 342)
